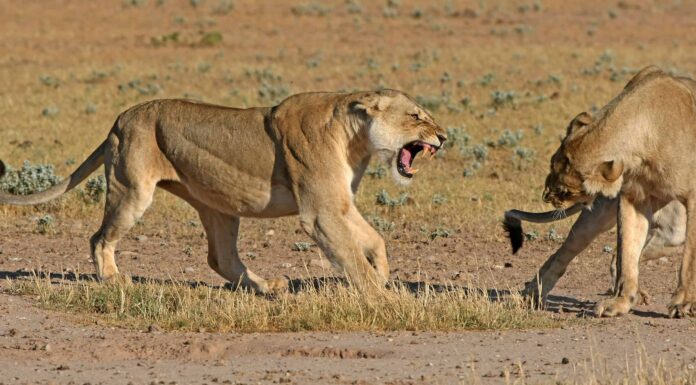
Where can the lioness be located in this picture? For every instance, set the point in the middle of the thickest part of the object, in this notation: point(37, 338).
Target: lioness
point(306, 155)
point(639, 149)
point(667, 231)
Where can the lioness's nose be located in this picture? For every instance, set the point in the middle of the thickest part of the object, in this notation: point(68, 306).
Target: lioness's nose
point(442, 139)
point(546, 195)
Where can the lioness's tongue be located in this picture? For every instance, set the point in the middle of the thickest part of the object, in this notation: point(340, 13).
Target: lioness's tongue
point(406, 160)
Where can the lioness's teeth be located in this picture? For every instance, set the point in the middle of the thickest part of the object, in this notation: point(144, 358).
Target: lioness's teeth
point(432, 155)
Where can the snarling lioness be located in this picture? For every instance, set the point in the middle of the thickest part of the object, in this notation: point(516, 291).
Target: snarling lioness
point(304, 156)
point(637, 152)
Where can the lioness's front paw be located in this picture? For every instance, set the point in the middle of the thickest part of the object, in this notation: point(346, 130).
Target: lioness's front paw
point(682, 305)
point(612, 307)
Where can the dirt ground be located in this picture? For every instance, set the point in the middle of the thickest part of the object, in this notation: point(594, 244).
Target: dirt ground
point(83, 58)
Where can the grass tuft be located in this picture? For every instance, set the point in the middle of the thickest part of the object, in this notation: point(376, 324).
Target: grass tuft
point(181, 306)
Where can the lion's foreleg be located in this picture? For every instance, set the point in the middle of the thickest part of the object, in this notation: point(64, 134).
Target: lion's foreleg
point(683, 301)
point(589, 225)
point(332, 221)
point(633, 227)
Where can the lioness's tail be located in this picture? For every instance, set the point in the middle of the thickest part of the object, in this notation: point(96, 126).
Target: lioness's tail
point(513, 222)
point(87, 167)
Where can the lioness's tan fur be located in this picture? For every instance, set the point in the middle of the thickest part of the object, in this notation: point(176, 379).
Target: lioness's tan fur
point(304, 156)
point(639, 148)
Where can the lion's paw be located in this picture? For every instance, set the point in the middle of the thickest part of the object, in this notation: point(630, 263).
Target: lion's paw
point(612, 307)
point(682, 305)
point(118, 279)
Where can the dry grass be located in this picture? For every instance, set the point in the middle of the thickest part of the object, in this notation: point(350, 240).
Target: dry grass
point(643, 370)
point(177, 305)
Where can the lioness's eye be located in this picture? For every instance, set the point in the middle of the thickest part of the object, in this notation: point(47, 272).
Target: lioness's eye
point(415, 117)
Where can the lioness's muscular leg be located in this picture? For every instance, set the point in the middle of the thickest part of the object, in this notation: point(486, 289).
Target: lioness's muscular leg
point(589, 225)
point(683, 301)
point(371, 242)
point(127, 198)
point(222, 231)
point(340, 236)
point(633, 227)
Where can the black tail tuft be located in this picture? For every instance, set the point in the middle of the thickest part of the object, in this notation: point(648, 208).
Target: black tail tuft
point(3, 169)
point(513, 228)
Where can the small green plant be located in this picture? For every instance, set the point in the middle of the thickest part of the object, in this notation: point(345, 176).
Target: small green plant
point(148, 88)
point(271, 88)
point(378, 172)
point(301, 246)
point(95, 189)
point(29, 179)
point(390, 12)
point(50, 111)
point(49, 81)
point(45, 225)
point(501, 98)
point(553, 235)
point(311, 9)
point(380, 224)
point(432, 103)
point(161, 40)
point(509, 138)
point(531, 235)
point(211, 38)
point(223, 7)
point(456, 136)
point(439, 199)
point(354, 6)
point(90, 109)
point(480, 152)
point(524, 153)
point(487, 79)
point(203, 67)
point(384, 199)
point(439, 232)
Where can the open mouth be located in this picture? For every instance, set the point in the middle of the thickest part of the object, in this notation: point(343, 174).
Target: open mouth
point(408, 153)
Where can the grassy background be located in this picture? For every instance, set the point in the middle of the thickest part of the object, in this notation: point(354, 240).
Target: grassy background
point(508, 75)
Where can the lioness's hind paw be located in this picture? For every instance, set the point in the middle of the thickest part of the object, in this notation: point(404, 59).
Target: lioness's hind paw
point(612, 307)
point(682, 310)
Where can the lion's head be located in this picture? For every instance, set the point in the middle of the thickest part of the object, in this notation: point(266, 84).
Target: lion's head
point(400, 129)
point(577, 173)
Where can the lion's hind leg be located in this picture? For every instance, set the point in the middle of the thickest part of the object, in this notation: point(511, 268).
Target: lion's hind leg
point(223, 257)
point(126, 201)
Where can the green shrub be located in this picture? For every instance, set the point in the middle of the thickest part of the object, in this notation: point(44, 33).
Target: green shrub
point(29, 179)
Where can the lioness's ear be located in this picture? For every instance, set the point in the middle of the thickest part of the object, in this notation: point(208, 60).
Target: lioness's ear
point(582, 120)
point(372, 102)
point(610, 170)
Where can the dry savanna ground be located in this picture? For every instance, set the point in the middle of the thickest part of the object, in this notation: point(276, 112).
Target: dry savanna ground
point(504, 77)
